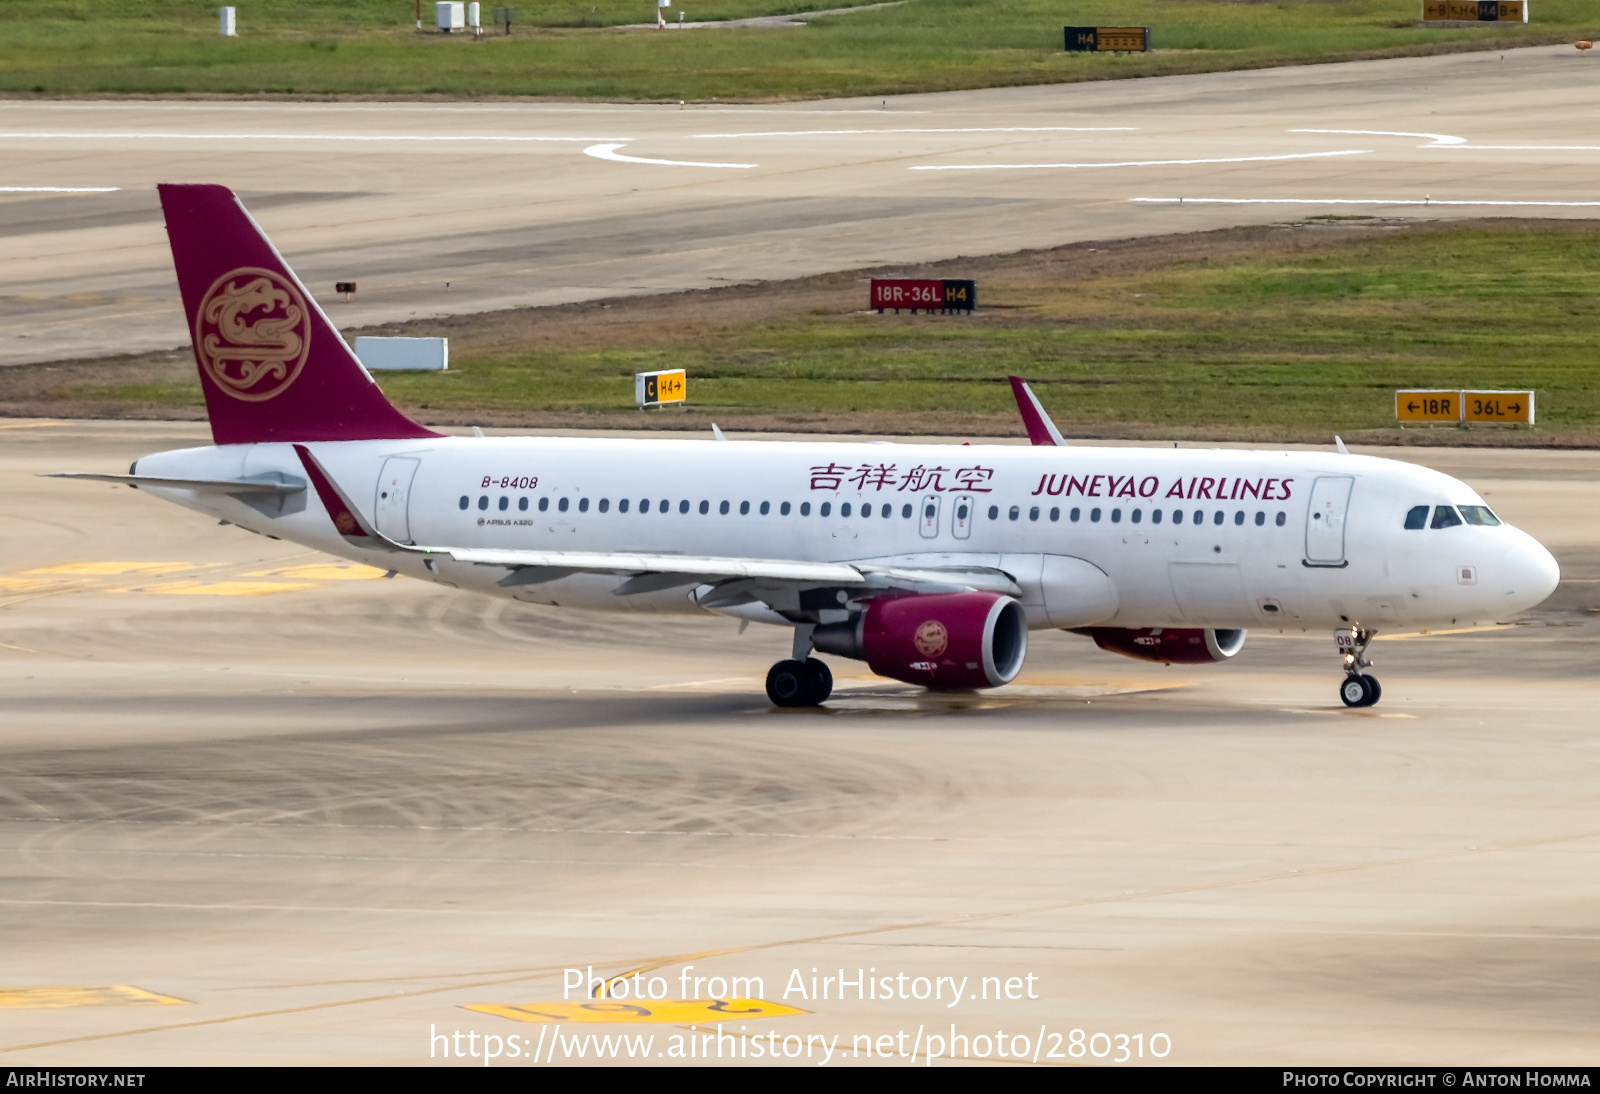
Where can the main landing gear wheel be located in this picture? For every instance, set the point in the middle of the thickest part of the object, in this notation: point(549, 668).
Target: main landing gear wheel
point(821, 680)
point(799, 683)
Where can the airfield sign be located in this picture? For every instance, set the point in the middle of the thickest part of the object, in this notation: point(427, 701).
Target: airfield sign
point(1431, 406)
point(1428, 406)
point(1509, 407)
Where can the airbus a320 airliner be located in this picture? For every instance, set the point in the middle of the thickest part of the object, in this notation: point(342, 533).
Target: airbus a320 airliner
point(931, 563)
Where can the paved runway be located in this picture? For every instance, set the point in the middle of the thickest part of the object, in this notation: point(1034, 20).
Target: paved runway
point(322, 813)
point(516, 204)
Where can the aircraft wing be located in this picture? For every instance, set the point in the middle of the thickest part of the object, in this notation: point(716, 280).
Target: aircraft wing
point(735, 580)
point(652, 572)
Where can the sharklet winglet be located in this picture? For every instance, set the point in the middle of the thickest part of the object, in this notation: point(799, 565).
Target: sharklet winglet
point(1041, 430)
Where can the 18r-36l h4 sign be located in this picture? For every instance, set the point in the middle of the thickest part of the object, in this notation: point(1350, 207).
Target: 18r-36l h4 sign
point(924, 295)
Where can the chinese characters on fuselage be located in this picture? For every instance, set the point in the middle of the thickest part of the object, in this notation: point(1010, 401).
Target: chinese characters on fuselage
point(887, 476)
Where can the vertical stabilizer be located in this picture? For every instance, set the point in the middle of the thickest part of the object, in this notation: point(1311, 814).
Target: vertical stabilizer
point(272, 366)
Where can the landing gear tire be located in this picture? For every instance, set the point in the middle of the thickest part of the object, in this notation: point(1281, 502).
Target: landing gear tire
point(821, 680)
point(1360, 691)
point(792, 684)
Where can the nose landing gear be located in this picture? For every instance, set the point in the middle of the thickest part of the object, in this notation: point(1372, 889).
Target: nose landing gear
point(795, 683)
point(1358, 689)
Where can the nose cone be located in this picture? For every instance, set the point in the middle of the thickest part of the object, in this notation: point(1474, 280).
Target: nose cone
point(1531, 573)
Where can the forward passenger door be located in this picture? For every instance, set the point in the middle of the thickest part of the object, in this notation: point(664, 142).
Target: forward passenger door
point(1330, 500)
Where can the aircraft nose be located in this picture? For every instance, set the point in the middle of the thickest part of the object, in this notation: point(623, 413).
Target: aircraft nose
point(1531, 573)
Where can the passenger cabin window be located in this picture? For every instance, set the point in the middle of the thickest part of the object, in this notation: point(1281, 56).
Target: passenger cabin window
point(605, 503)
point(622, 506)
point(905, 511)
point(844, 510)
point(705, 507)
point(563, 503)
point(483, 502)
point(783, 510)
point(1479, 515)
point(994, 512)
point(1055, 513)
point(826, 508)
point(465, 501)
point(1282, 517)
point(505, 503)
point(805, 509)
point(522, 504)
point(723, 508)
point(544, 504)
point(583, 505)
point(1445, 517)
point(766, 507)
point(1416, 518)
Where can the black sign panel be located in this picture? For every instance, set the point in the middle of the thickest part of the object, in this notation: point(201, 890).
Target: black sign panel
point(1107, 39)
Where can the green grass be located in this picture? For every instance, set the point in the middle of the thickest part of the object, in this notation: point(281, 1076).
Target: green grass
point(371, 47)
point(1282, 340)
point(1268, 333)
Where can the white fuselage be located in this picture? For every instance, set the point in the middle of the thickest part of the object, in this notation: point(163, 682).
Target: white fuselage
point(1279, 539)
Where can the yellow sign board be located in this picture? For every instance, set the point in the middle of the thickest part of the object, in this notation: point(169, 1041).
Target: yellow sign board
point(1512, 407)
point(655, 388)
point(1427, 406)
point(1474, 11)
point(645, 1010)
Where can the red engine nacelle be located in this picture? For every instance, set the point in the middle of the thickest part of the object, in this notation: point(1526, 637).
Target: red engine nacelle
point(1169, 645)
point(944, 641)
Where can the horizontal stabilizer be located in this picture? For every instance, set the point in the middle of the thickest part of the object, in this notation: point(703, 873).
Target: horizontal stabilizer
point(200, 486)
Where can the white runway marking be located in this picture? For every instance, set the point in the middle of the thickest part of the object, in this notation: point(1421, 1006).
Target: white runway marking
point(365, 138)
point(1527, 147)
point(609, 152)
point(1357, 201)
point(875, 132)
point(58, 189)
point(1440, 140)
point(1136, 163)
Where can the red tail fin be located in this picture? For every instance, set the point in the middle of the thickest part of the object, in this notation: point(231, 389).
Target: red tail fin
point(272, 366)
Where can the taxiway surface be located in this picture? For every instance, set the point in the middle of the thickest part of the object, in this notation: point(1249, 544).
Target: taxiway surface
point(539, 203)
point(323, 812)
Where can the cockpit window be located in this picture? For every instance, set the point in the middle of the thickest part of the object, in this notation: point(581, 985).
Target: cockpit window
point(1479, 515)
point(1416, 517)
point(1445, 517)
